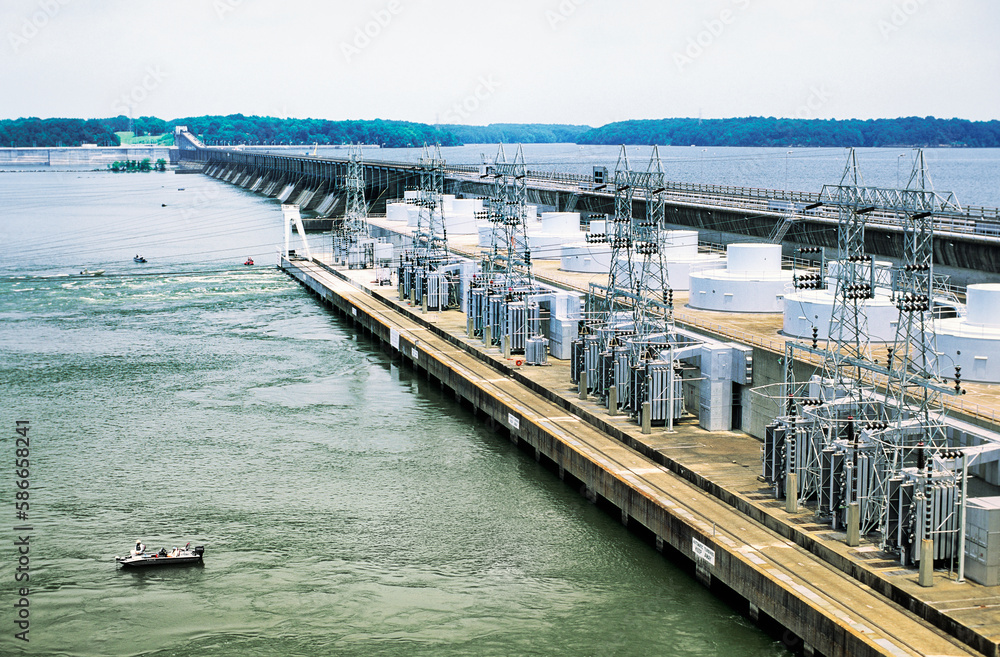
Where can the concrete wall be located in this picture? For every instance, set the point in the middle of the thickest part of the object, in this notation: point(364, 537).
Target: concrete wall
point(83, 156)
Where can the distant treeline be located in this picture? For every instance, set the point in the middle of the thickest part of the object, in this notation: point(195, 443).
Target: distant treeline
point(760, 131)
point(516, 133)
point(239, 129)
point(751, 131)
point(56, 132)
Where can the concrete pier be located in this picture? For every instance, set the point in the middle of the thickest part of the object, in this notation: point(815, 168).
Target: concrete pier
point(695, 492)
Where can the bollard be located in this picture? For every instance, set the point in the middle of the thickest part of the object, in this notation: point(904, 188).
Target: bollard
point(583, 385)
point(853, 524)
point(647, 418)
point(505, 340)
point(402, 293)
point(926, 576)
point(791, 493)
point(413, 295)
point(423, 304)
point(488, 335)
point(613, 400)
point(468, 327)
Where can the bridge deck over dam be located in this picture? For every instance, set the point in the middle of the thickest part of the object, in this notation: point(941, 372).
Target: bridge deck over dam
point(966, 246)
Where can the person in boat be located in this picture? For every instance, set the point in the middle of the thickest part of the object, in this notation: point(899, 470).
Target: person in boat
point(139, 548)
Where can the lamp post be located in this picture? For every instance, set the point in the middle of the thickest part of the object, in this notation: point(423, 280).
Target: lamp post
point(787, 153)
point(897, 168)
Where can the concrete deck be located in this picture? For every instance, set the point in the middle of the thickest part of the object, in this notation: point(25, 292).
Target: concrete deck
point(687, 486)
point(979, 405)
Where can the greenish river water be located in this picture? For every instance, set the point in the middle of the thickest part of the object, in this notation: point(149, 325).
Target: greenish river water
point(347, 507)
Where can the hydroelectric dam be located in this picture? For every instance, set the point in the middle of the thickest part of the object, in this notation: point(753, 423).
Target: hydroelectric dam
point(661, 398)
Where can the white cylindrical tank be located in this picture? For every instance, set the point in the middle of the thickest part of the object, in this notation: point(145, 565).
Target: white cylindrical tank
point(460, 223)
point(752, 282)
point(555, 229)
point(412, 215)
point(972, 342)
point(485, 231)
point(561, 222)
point(680, 256)
point(983, 304)
point(804, 309)
point(863, 271)
point(447, 203)
point(586, 258)
point(467, 205)
point(680, 245)
point(397, 211)
point(753, 258)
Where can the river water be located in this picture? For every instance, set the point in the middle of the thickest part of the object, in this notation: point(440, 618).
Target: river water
point(347, 507)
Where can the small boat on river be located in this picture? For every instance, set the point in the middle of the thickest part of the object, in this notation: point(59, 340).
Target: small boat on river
point(139, 259)
point(249, 262)
point(96, 272)
point(140, 558)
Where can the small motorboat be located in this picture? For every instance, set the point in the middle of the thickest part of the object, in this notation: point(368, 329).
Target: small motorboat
point(140, 558)
point(138, 259)
point(249, 261)
point(88, 272)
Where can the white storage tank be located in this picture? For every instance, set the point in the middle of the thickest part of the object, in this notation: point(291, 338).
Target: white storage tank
point(752, 282)
point(805, 309)
point(972, 341)
point(555, 229)
point(681, 258)
point(397, 212)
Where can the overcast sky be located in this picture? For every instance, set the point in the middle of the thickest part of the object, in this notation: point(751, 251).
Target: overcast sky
point(487, 61)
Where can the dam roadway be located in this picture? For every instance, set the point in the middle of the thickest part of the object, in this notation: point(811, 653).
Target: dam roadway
point(693, 493)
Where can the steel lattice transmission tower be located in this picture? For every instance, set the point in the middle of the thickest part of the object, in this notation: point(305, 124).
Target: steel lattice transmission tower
point(492, 262)
point(430, 239)
point(356, 216)
point(509, 248)
point(914, 384)
point(649, 243)
point(849, 348)
point(881, 429)
point(353, 227)
point(621, 278)
point(637, 265)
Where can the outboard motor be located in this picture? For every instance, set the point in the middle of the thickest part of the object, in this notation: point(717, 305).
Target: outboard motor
point(199, 550)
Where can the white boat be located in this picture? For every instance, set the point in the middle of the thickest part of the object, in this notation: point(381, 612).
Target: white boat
point(175, 557)
point(87, 272)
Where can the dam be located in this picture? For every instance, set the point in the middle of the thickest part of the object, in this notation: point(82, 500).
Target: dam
point(735, 524)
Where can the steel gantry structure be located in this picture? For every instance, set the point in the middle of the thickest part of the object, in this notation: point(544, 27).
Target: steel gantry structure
point(509, 252)
point(866, 439)
point(430, 239)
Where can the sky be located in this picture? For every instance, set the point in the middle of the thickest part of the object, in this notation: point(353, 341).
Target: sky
point(477, 62)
